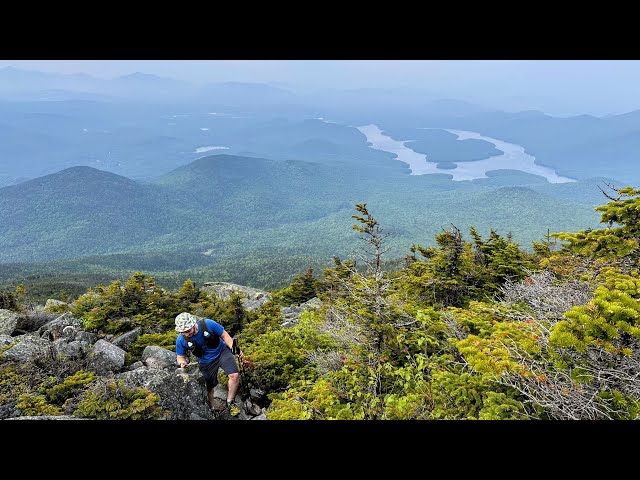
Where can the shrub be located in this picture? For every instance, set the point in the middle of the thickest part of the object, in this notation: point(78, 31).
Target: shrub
point(58, 393)
point(36, 405)
point(111, 399)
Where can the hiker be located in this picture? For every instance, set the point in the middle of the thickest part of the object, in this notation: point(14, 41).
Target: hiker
point(202, 338)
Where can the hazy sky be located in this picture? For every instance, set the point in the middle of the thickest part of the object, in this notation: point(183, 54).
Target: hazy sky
point(555, 86)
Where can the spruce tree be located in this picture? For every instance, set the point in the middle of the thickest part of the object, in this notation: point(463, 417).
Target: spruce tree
point(621, 237)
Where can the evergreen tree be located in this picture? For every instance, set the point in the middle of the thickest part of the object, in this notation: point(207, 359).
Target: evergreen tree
point(442, 279)
point(621, 238)
point(303, 288)
point(233, 316)
point(367, 325)
point(546, 247)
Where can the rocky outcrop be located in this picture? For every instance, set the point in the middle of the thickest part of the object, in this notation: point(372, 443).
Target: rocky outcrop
point(8, 321)
point(73, 349)
point(291, 314)
point(158, 357)
point(86, 337)
point(106, 357)
point(34, 319)
point(182, 392)
point(125, 340)
point(28, 347)
point(52, 305)
point(252, 298)
point(54, 329)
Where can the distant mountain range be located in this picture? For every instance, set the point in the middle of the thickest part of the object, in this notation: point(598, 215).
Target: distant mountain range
point(24, 85)
point(143, 125)
point(119, 172)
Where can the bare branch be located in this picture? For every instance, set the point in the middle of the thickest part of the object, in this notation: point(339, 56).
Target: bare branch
point(547, 297)
point(575, 392)
point(609, 196)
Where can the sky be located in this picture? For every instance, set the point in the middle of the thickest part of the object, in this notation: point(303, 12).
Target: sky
point(598, 87)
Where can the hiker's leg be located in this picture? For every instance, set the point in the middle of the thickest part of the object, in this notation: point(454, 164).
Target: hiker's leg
point(229, 366)
point(234, 382)
point(210, 374)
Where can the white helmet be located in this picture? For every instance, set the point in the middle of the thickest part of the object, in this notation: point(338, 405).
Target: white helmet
point(184, 321)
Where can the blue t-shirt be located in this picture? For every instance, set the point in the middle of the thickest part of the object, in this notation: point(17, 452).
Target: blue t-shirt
point(210, 354)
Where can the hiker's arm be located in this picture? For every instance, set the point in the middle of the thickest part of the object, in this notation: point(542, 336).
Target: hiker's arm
point(228, 339)
point(182, 360)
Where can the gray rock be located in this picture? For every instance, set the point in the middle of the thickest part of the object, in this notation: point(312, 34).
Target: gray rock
point(135, 365)
point(158, 357)
point(88, 337)
point(252, 408)
point(28, 347)
point(33, 319)
point(106, 357)
point(73, 349)
point(125, 340)
point(69, 331)
point(53, 329)
point(251, 305)
point(8, 321)
point(220, 391)
point(291, 310)
point(291, 314)
point(256, 394)
point(252, 298)
point(182, 394)
point(9, 410)
point(52, 303)
point(311, 304)
point(6, 340)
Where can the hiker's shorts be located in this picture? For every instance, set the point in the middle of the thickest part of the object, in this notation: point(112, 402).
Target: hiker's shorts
point(226, 361)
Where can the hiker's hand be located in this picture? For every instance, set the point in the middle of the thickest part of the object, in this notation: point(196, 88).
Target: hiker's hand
point(183, 364)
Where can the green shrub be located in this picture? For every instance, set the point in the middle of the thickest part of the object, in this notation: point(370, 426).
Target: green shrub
point(58, 308)
point(303, 288)
point(111, 400)
point(36, 405)
point(11, 384)
point(58, 393)
point(12, 299)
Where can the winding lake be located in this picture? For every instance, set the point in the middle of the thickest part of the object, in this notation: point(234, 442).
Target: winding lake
point(513, 157)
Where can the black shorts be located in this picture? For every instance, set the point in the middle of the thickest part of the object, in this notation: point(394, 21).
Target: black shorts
point(226, 361)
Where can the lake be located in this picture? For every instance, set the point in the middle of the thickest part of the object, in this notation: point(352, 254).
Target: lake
point(513, 157)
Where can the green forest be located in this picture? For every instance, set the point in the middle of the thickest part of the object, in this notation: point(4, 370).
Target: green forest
point(474, 326)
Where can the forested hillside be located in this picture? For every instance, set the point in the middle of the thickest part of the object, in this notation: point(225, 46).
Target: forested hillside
point(470, 327)
point(202, 218)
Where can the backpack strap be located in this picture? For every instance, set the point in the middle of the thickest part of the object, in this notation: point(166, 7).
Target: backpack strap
point(211, 339)
point(203, 326)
